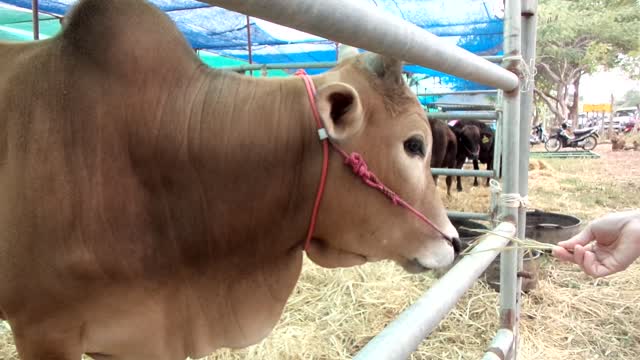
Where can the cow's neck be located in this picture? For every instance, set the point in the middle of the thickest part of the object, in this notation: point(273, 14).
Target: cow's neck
point(240, 188)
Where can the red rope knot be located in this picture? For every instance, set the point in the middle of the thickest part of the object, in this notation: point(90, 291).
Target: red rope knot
point(300, 72)
point(360, 168)
point(358, 165)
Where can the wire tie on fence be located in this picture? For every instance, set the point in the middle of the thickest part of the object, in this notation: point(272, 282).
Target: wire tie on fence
point(512, 200)
point(526, 72)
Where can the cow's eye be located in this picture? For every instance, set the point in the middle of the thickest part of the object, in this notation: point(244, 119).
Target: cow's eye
point(414, 146)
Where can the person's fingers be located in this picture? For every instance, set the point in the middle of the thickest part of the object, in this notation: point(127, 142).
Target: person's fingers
point(578, 255)
point(593, 267)
point(582, 238)
point(562, 253)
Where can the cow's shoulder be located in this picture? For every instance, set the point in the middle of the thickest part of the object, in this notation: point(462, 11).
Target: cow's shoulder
point(130, 34)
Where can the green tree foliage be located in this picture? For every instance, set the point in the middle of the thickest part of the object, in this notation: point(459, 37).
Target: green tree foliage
point(630, 98)
point(577, 37)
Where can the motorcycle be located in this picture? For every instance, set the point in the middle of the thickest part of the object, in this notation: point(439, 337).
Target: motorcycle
point(629, 127)
point(585, 138)
point(537, 135)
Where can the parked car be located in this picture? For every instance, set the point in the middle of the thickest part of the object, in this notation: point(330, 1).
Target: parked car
point(625, 114)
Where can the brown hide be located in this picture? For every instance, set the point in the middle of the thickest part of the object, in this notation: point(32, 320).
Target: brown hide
point(155, 209)
point(445, 147)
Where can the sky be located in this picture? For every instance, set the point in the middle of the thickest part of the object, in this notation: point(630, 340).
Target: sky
point(597, 88)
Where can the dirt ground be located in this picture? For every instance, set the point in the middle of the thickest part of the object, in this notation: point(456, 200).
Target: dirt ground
point(569, 316)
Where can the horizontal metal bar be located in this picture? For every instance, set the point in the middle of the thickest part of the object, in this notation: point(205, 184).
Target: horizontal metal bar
point(358, 24)
point(403, 335)
point(459, 215)
point(460, 107)
point(494, 58)
point(564, 154)
point(466, 92)
point(500, 345)
point(303, 65)
point(482, 115)
point(462, 172)
point(281, 66)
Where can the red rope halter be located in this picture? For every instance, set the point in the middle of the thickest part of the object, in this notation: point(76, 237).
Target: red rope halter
point(355, 161)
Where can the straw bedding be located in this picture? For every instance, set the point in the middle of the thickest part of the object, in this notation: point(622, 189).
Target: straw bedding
point(333, 313)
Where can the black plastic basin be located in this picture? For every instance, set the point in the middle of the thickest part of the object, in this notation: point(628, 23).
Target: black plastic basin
point(550, 227)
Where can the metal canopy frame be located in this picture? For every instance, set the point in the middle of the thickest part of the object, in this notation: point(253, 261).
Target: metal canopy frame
point(373, 30)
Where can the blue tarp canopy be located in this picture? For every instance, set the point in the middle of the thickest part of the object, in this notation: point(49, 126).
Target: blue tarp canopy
point(475, 25)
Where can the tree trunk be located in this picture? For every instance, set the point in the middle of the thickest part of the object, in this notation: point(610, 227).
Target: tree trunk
point(610, 132)
point(573, 109)
point(561, 105)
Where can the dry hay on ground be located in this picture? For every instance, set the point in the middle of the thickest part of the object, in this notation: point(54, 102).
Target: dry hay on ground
point(569, 316)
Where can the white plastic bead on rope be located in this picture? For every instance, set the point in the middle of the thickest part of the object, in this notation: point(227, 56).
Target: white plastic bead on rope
point(508, 200)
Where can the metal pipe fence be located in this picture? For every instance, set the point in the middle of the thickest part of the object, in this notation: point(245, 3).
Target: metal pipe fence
point(484, 115)
point(509, 282)
point(370, 28)
point(316, 65)
point(500, 346)
point(460, 107)
point(466, 92)
point(462, 172)
point(403, 336)
point(528, 41)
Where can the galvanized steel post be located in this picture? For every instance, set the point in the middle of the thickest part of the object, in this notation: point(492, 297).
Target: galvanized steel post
point(509, 283)
point(529, 19)
point(35, 19)
point(497, 154)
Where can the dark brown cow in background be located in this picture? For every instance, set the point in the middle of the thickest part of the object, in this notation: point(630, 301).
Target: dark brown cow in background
point(154, 208)
point(475, 142)
point(445, 145)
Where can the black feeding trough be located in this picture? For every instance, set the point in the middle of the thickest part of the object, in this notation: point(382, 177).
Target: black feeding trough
point(468, 230)
point(542, 226)
point(550, 227)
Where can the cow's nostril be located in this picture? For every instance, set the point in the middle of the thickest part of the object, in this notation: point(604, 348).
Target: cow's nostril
point(457, 245)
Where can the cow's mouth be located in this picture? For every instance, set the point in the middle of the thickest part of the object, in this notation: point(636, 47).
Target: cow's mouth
point(413, 266)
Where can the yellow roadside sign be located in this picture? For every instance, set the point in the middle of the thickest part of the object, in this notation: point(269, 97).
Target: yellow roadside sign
point(596, 108)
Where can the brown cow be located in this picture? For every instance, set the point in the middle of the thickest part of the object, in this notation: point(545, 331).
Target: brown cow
point(153, 208)
point(444, 149)
point(475, 142)
point(617, 143)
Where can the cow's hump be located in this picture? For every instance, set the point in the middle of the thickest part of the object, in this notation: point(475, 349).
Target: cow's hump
point(125, 33)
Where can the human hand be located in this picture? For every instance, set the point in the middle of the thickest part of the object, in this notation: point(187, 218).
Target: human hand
point(606, 246)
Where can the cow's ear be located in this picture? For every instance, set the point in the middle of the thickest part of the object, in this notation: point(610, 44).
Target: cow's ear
point(386, 68)
point(340, 110)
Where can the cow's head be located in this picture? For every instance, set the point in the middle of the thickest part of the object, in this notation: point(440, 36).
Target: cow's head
point(469, 140)
point(367, 108)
